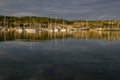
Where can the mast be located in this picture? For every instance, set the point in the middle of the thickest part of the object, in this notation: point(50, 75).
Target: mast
point(4, 21)
point(63, 24)
point(19, 22)
point(30, 19)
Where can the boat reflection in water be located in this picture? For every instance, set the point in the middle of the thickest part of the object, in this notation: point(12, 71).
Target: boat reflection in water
point(70, 55)
point(102, 35)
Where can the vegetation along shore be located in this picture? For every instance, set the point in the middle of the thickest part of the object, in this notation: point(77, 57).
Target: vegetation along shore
point(34, 24)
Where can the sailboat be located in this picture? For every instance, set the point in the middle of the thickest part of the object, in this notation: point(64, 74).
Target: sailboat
point(54, 29)
point(5, 24)
point(63, 29)
point(19, 30)
point(86, 27)
point(30, 29)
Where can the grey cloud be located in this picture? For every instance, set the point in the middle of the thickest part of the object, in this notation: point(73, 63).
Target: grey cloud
point(68, 9)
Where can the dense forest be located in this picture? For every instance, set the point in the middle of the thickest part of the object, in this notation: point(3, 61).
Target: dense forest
point(12, 21)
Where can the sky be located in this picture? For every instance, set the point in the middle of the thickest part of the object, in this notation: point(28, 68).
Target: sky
point(66, 9)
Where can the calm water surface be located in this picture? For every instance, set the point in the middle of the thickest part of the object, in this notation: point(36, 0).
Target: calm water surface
point(74, 56)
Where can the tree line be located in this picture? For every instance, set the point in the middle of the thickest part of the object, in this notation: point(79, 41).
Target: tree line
point(35, 21)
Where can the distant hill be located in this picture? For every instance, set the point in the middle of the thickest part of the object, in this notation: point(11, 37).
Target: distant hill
point(26, 21)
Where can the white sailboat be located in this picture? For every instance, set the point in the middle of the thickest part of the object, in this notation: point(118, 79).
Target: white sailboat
point(63, 29)
point(86, 27)
point(30, 30)
point(19, 30)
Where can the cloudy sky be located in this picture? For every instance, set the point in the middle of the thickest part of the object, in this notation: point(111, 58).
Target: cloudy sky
point(67, 9)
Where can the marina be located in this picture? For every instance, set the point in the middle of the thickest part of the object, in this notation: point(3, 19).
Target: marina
point(59, 39)
point(57, 49)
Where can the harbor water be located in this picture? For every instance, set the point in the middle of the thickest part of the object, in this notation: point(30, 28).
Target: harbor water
point(81, 55)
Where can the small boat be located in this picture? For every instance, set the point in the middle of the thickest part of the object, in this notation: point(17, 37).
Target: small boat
point(98, 29)
point(85, 28)
point(62, 30)
point(30, 30)
point(53, 30)
point(19, 30)
point(4, 29)
point(72, 29)
point(50, 30)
